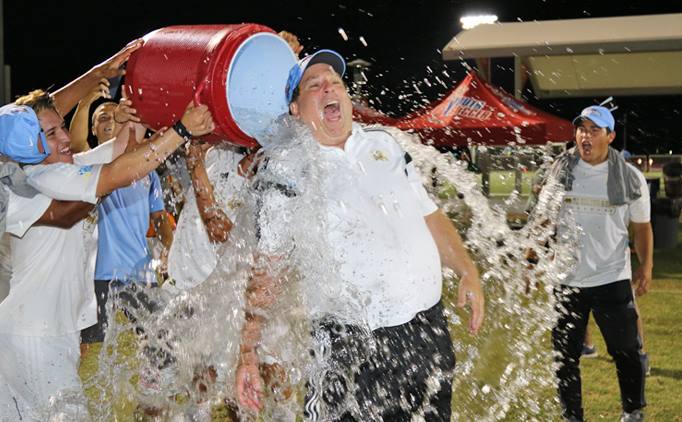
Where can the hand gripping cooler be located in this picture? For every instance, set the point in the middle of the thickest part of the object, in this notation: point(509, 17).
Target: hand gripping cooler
point(238, 71)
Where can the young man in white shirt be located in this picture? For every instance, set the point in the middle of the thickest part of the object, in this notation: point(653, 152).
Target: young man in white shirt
point(389, 254)
point(605, 195)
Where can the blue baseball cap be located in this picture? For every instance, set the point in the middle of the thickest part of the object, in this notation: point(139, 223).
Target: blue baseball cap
point(600, 116)
point(19, 134)
point(329, 57)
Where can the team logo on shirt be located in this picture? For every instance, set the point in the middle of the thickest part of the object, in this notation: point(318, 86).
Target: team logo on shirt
point(85, 171)
point(379, 155)
point(590, 205)
point(233, 204)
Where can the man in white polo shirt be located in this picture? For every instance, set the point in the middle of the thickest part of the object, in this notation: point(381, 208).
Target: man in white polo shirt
point(389, 240)
point(604, 195)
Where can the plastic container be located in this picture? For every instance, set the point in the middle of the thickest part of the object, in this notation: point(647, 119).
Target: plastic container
point(238, 71)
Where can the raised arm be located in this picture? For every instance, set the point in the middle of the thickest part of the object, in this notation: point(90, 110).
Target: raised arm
point(217, 223)
point(644, 247)
point(136, 164)
point(67, 97)
point(79, 122)
point(454, 255)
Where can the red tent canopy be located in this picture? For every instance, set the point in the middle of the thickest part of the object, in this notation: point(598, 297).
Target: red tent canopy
point(476, 113)
point(370, 116)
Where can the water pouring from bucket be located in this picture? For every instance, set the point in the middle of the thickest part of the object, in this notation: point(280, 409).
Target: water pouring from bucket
point(238, 71)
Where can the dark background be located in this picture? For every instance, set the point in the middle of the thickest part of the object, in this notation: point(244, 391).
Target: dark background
point(49, 44)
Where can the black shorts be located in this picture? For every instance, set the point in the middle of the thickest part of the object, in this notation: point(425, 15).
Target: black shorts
point(400, 372)
point(95, 333)
point(130, 298)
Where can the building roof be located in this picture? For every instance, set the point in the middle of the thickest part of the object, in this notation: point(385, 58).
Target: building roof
point(629, 55)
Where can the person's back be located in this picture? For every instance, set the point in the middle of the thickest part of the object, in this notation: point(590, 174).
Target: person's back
point(123, 220)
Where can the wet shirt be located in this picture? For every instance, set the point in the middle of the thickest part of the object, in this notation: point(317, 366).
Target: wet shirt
point(50, 291)
point(603, 254)
point(192, 256)
point(374, 207)
point(122, 223)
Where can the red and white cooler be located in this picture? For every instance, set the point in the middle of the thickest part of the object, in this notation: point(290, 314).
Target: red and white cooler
point(238, 71)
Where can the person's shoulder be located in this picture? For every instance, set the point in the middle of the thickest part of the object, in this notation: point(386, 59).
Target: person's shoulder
point(637, 171)
point(56, 169)
point(382, 138)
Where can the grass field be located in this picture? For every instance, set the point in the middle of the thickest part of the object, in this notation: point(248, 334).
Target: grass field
point(502, 182)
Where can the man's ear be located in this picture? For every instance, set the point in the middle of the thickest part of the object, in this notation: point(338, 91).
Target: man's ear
point(612, 136)
point(293, 109)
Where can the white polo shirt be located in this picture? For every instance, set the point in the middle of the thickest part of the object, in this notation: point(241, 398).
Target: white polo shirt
point(192, 257)
point(51, 292)
point(374, 204)
point(603, 254)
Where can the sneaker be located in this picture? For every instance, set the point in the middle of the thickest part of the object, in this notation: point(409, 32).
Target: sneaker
point(635, 416)
point(589, 351)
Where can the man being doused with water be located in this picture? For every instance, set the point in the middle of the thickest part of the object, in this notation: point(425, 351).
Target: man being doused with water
point(606, 196)
point(387, 241)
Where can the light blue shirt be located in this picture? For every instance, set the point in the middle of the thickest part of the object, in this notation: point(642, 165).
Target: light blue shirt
point(123, 221)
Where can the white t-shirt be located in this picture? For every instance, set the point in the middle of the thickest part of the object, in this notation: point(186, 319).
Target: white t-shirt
point(51, 290)
point(5, 265)
point(375, 205)
point(603, 254)
point(192, 257)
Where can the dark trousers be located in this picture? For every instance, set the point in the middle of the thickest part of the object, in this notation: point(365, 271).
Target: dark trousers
point(390, 375)
point(614, 311)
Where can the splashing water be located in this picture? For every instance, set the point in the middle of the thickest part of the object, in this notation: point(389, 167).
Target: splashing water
point(176, 351)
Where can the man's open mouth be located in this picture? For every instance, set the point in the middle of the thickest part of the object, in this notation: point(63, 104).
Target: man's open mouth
point(332, 111)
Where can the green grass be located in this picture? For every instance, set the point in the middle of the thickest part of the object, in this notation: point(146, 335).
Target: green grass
point(502, 182)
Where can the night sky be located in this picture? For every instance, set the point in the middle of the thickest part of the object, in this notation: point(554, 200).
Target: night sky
point(50, 43)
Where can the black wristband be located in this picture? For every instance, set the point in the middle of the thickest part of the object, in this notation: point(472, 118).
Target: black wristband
point(182, 130)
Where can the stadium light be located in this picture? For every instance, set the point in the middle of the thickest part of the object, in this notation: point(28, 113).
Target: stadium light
point(471, 21)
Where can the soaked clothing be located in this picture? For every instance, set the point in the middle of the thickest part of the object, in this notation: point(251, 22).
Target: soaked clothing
point(51, 294)
point(192, 256)
point(392, 374)
point(122, 252)
point(374, 204)
point(95, 333)
point(35, 370)
point(386, 275)
point(51, 261)
point(123, 220)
